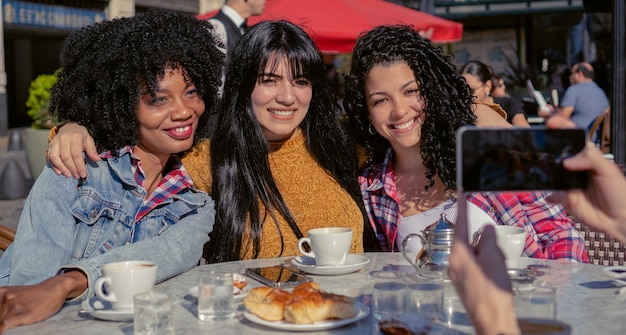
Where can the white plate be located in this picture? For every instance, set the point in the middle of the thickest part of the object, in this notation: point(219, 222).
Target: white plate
point(361, 311)
point(236, 297)
point(353, 263)
point(101, 309)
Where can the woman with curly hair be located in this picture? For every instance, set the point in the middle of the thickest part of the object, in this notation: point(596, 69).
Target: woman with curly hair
point(280, 162)
point(405, 101)
point(140, 86)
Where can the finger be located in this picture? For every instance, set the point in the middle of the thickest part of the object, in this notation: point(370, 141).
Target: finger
point(56, 162)
point(90, 149)
point(67, 158)
point(492, 259)
point(461, 230)
point(78, 161)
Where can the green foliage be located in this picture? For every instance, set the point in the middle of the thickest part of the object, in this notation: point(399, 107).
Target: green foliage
point(37, 103)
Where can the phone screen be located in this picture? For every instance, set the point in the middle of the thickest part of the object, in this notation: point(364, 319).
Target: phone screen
point(277, 276)
point(518, 159)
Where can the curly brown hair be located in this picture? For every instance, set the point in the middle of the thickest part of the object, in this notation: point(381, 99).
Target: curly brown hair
point(446, 95)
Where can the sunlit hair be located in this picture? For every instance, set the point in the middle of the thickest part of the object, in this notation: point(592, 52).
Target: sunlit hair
point(106, 68)
point(239, 150)
point(446, 95)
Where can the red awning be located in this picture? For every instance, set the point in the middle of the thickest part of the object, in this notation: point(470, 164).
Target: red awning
point(335, 24)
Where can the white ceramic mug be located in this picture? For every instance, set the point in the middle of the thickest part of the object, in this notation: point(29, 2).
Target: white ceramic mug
point(123, 280)
point(329, 246)
point(511, 241)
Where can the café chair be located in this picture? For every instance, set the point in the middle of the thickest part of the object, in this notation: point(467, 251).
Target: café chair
point(7, 235)
point(603, 249)
point(600, 131)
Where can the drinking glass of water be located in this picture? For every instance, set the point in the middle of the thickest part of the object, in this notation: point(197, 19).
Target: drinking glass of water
point(388, 294)
point(153, 314)
point(215, 296)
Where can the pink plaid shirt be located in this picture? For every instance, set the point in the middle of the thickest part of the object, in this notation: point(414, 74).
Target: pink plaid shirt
point(551, 233)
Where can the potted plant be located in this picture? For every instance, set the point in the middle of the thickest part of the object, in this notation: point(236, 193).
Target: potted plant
point(36, 137)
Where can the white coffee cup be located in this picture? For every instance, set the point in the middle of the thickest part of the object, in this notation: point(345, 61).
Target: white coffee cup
point(329, 246)
point(511, 241)
point(123, 280)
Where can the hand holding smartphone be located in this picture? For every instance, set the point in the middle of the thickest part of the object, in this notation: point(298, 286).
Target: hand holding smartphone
point(277, 276)
point(517, 159)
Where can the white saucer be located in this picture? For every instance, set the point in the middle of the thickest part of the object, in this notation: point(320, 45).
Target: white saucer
point(353, 263)
point(361, 311)
point(101, 309)
point(237, 297)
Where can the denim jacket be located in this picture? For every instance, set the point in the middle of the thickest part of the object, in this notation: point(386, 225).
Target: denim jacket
point(70, 224)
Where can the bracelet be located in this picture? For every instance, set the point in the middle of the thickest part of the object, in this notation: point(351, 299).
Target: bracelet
point(53, 132)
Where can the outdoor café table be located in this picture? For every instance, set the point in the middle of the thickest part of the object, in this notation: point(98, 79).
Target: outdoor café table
point(586, 299)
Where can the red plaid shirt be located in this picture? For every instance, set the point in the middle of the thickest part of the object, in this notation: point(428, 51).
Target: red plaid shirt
point(551, 233)
point(176, 180)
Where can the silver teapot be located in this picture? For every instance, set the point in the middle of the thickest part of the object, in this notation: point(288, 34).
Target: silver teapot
point(436, 246)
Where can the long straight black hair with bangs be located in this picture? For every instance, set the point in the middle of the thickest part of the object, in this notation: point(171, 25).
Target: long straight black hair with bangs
point(242, 180)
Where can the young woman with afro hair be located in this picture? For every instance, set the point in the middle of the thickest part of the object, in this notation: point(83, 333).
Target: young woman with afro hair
point(140, 86)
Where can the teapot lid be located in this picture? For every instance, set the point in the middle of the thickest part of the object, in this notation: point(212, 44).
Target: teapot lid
point(442, 225)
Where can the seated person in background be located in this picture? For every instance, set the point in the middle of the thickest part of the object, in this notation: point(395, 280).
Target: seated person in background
point(140, 85)
point(499, 87)
point(584, 100)
point(280, 162)
point(479, 78)
point(403, 113)
point(479, 273)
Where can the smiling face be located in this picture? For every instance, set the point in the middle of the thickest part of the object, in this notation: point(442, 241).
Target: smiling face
point(280, 100)
point(396, 108)
point(168, 120)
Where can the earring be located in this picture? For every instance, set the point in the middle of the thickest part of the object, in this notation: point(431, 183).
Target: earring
point(371, 129)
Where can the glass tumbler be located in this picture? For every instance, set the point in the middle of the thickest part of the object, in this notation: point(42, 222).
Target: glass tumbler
point(153, 314)
point(215, 296)
point(388, 294)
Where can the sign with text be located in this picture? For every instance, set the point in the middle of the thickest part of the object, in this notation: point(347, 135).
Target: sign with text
point(22, 13)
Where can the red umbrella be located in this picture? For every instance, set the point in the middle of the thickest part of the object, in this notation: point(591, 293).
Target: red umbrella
point(335, 24)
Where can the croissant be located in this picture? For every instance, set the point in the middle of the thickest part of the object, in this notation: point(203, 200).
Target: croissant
point(267, 302)
point(309, 304)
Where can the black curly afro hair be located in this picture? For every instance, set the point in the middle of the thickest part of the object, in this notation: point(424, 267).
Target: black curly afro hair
point(446, 95)
point(106, 67)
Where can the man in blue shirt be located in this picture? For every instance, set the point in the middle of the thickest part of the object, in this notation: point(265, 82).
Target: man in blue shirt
point(584, 100)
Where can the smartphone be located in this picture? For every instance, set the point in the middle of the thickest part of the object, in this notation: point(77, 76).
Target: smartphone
point(518, 159)
point(278, 276)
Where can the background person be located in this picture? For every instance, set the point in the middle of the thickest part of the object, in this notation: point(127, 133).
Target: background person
point(499, 87)
point(584, 100)
point(405, 101)
point(479, 78)
point(138, 202)
point(231, 21)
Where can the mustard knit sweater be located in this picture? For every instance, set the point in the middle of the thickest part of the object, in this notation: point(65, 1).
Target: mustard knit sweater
point(314, 198)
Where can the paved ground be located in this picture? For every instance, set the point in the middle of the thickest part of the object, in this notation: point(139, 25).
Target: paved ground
point(11, 206)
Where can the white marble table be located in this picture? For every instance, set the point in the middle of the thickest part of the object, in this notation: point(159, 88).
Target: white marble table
point(587, 300)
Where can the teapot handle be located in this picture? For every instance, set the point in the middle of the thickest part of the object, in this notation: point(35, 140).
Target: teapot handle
point(405, 243)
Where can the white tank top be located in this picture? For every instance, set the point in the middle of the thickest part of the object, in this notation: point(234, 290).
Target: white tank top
point(477, 218)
